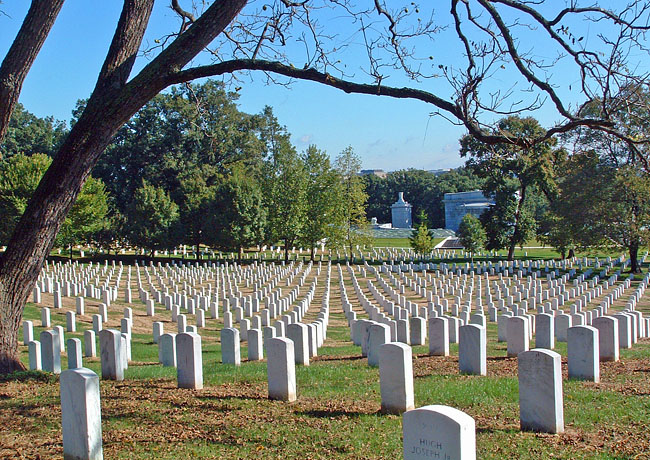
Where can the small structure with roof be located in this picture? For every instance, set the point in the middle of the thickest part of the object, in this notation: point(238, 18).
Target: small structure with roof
point(457, 205)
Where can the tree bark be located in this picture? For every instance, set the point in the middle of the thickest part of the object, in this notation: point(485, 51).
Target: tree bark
point(515, 235)
point(111, 104)
point(26, 46)
point(633, 249)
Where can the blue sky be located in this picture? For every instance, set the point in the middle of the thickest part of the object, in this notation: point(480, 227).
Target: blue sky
point(387, 134)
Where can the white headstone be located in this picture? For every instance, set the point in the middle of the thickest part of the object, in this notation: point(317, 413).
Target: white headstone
point(50, 352)
point(74, 354)
point(89, 344)
point(167, 350)
point(281, 369)
point(299, 334)
point(255, 345)
point(438, 337)
point(81, 418)
point(472, 351)
point(517, 335)
point(111, 352)
point(35, 362)
point(544, 331)
point(438, 432)
point(189, 361)
point(230, 347)
point(608, 344)
point(378, 334)
point(28, 332)
point(541, 403)
point(396, 378)
point(583, 353)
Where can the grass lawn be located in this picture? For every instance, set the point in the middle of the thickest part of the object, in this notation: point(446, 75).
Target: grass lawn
point(337, 412)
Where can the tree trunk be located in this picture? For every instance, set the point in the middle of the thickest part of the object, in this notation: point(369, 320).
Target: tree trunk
point(111, 104)
point(312, 253)
point(515, 235)
point(16, 64)
point(286, 250)
point(633, 249)
point(572, 254)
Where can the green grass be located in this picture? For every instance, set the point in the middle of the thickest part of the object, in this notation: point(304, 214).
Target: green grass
point(337, 413)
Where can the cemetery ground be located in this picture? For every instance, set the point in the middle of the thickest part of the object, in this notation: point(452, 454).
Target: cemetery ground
point(337, 413)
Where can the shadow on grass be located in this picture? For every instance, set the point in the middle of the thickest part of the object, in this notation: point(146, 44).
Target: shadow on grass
point(334, 413)
point(513, 430)
point(23, 376)
point(338, 358)
point(227, 397)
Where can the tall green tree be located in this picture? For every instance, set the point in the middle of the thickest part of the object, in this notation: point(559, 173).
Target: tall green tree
point(192, 130)
point(152, 218)
point(197, 192)
point(19, 177)
point(238, 212)
point(355, 230)
point(509, 169)
point(421, 239)
point(602, 205)
point(285, 185)
point(471, 234)
point(604, 184)
point(323, 195)
point(29, 134)
point(86, 216)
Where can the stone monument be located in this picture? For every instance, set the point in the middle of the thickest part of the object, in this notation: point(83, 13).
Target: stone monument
point(401, 213)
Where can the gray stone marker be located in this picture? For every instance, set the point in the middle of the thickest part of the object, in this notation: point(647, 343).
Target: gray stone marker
point(624, 330)
point(562, 324)
point(607, 337)
point(50, 352)
point(230, 346)
point(189, 361)
point(45, 317)
point(544, 331)
point(74, 354)
point(35, 363)
point(379, 334)
point(89, 344)
point(167, 350)
point(418, 328)
point(438, 432)
point(255, 345)
point(80, 306)
point(396, 378)
point(438, 337)
point(403, 331)
point(281, 369)
point(472, 351)
point(540, 391)
point(81, 417)
point(28, 332)
point(299, 334)
point(97, 323)
point(583, 353)
point(70, 321)
point(158, 330)
point(60, 332)
point(518, 337)
point(181, 321)
point(112, 354)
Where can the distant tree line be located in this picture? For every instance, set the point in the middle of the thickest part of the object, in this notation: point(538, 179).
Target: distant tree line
point(191, 168)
